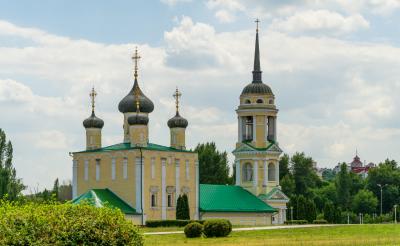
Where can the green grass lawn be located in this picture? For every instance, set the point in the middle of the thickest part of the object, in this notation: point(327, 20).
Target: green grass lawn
point(174, 228)
point(338, 235)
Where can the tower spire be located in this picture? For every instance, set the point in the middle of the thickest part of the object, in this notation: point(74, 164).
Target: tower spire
point(257, 70)
point(136, 58)
point(92, 95)
point(177, 95)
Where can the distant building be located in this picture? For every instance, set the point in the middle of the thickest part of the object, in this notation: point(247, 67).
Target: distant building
point(356, 166)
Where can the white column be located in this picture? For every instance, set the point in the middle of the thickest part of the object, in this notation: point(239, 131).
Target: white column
point(142, 179)
point(265, 183)
point(74, 179)
point(266, 128)
point(277, 173)
point(197, 215)
point(239, 129)
point(138, 205)
point(163, 190)
point(255, 175)
point(275, 123)
point(238, 176)
point(254, 127)
point(177, 179)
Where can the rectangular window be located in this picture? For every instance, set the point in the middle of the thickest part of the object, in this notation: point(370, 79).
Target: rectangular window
point(97, 169)
point(153, 167)
point(86, 171)
point(153, 200)
point(170, 200)
point(187, 170)
point(125, 168)
point(113, 168)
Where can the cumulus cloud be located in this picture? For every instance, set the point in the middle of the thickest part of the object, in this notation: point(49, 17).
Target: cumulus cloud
point(320, 21)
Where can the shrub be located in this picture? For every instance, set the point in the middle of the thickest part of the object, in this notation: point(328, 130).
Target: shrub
point(217, 228)
point(65, 224)
point(169, 223)
point(296, 222)
point(193, 229)
point(320, 222)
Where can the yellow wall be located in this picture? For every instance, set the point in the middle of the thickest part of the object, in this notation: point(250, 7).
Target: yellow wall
point(93, 138)
point(125, 188)
point(139, 135)
point(178, 138)
point(240, 218)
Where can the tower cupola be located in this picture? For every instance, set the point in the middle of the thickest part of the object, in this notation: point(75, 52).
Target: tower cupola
point(177, 125)
point(93, 126)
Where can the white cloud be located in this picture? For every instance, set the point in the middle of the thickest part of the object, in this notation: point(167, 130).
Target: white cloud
point(174, 2)
point(320, 21)
point(225, 16)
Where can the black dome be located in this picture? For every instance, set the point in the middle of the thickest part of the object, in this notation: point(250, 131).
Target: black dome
point(128, 103)
point(257, 88)
point(138, 119)
point(93, 122)
point(177, 121)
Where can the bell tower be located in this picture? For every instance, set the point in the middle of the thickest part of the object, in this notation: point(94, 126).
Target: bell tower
point(257, 151)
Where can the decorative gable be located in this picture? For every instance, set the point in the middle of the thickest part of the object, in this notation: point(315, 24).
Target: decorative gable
point(243, 148)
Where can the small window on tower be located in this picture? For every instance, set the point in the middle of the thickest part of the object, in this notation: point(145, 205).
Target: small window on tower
point(260, 101)
point(170, 201)
point(247, 101)
point(154, 200)
point(271, 101)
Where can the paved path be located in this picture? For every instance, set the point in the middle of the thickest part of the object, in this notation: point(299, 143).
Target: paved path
point(248, 229)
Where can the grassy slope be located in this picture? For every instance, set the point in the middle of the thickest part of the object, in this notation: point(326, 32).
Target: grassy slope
point(340, 235)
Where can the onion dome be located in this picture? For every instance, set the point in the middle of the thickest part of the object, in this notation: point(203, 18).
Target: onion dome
point(127, 104)
point(257, 86)
point(177, 121)
point(93, 122)
point(138, 119)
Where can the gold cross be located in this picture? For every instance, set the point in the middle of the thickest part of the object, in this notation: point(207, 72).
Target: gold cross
point(177, 95)
point(257, 21)
point(136, 92)
point(92, 95)
point(136, 57)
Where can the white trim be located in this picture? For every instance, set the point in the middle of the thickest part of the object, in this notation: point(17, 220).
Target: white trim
point(74, 179)
point(125, 168)
point(255, 173)
point(138, 181)
point(187, 169)
point(254, 128)
point(277, 173)
point(237, 169)
point(113, 169)
point(163, 191)
point(177, 179)
point(153, 168)
point(197, 215)
point(97, 169)
point(86, 170)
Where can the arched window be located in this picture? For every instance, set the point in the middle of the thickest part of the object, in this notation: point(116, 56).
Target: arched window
point(247, 101)
point(271, 172)
point(260, 101)
point(248, 134)
point(247, 172)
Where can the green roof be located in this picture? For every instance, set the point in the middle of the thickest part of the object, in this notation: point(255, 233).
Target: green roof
point(229, 198)
point(270, 195)
point(104, 197)
point(127, 146)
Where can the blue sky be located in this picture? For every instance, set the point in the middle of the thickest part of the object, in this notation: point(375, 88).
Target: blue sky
point(333, 66)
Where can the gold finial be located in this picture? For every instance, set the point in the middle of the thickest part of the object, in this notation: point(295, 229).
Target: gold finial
point(177, 95)
point(136, 57)
point(92, 95)
point(257, 21)
point(137, 95)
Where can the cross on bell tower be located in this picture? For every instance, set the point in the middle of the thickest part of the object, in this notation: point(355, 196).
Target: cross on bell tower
point(257, 21)
point(177, 95)
point(136, 58)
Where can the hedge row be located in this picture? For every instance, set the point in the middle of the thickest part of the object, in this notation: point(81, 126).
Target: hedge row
point(169, 223)
point(320, 222)
point(64, 224)
point(296, 222)
point(211, 228)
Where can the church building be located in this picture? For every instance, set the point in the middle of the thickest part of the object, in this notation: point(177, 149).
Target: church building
point(144, 179)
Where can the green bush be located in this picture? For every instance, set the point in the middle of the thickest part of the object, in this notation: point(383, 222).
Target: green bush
point(170, 223)
point(320, 222)
point(296, 222)
point(193, 229)
point(217, 228)
point(64, 224)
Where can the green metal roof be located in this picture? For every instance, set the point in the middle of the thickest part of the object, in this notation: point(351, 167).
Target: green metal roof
point(127, 146)
point(229, 198)
point(104, 197)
